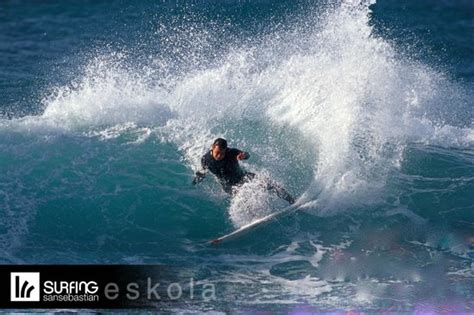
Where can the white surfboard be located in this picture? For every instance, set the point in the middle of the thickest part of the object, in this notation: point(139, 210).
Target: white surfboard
point(257, 223)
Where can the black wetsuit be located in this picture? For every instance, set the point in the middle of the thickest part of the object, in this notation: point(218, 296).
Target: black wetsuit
point(230, 174)
point(226, 170)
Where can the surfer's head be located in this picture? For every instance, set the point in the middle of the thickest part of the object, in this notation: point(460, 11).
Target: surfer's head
point(218, 149)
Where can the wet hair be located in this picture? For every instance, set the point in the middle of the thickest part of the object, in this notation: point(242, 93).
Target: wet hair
point(221, 143)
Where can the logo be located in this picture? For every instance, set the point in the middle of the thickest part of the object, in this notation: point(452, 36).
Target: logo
point(24, 286)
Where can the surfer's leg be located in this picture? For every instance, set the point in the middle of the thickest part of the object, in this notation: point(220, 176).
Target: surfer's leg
point(228, 188)
point(248, 177)
point(273, 187)
point(280, 192)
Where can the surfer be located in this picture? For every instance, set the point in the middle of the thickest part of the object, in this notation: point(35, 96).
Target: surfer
point(223, 162)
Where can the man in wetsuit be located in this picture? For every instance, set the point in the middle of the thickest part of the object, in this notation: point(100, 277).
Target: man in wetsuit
point(223, 162)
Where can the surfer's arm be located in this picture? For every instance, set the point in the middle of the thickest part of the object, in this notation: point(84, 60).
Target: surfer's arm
point(199, 176)
point(243, 155)
point(237, 154)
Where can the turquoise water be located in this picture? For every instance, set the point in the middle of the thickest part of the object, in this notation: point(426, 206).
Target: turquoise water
point(363, 110)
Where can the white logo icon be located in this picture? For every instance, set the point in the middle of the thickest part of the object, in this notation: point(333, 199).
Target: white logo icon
point(25, 286)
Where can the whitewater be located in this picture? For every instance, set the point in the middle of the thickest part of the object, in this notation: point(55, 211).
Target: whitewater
point(375, 141)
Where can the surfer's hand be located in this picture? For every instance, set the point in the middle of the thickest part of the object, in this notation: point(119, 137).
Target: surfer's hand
point(198, 178)
point(242, 156)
